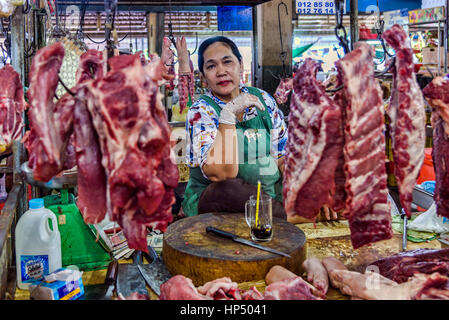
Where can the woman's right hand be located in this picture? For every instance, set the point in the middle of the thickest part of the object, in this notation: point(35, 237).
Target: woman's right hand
point(237, 106)
point(183, 55)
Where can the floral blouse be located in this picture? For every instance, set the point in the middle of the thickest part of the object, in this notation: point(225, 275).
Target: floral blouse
point(202, 126)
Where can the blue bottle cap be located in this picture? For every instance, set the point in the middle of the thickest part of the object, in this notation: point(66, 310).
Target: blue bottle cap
point(36, 203)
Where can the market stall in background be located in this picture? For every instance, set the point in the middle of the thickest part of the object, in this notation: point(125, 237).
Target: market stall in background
point(90, 195)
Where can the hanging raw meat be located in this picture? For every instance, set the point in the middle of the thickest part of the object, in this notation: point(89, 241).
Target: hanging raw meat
point(437, 95)
point(44, 142)
point(407, 117)
point(364, 151)
point(134, 137)
point(12, 105)
point(186, 87)
point(167, 57)
point(91, 174)
point(314, 145)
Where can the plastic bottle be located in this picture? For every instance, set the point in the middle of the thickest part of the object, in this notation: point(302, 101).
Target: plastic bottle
point(38, 248)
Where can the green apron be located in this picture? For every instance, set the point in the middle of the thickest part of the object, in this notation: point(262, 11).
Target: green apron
point(255, 160)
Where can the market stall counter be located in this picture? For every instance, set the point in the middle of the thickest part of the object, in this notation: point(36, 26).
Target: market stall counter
point(324, 239)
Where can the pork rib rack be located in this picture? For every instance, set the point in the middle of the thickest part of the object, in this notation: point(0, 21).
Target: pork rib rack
point(407, 117)
point(437, 94)
point(364, 151)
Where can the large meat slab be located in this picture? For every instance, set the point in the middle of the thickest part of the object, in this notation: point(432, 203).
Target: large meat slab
point(314, 145)
point(364, 151)
point(407, 117)
point(437, 94)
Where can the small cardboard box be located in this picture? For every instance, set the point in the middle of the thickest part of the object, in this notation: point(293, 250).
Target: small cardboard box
point(430, 56)
point(63, 284)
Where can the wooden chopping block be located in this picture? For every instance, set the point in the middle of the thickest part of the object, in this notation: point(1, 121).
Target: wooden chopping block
point(202, 257)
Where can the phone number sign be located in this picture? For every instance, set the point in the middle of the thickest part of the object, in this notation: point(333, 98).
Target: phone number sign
point(315, 7)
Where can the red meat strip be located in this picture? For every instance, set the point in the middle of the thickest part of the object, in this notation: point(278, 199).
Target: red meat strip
point(404, 265)
point(167, 57)
point(364, 149)
point(12, 105)
point(63, 117)
point(283, 90)
point(407, 117)
point(186, 87)
point(180, 288)
point(43, 141)
point(134, 137)
point(437, 95)
point(314, 145)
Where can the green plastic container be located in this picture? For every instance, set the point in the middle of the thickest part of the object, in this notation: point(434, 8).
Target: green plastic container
point(78, 245)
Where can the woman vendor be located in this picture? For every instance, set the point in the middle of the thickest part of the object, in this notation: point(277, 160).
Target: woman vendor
point(236, 135)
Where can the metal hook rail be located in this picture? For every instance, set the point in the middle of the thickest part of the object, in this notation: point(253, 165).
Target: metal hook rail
point(26, 8)
point(376, 75)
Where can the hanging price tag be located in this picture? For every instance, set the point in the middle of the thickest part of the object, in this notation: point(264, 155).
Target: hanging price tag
point(315, 7)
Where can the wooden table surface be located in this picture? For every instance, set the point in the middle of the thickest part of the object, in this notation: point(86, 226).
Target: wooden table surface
point(323, 239)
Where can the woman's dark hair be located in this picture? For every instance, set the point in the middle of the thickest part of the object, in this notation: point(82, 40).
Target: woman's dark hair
point(206, 43)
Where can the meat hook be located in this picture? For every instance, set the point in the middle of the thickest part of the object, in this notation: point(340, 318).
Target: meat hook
point(26, 8)
point(339, 27)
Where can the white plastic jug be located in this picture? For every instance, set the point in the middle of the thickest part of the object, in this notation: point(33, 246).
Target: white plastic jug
point(38, 248)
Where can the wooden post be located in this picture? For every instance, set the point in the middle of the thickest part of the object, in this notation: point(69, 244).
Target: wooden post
point(268, 40)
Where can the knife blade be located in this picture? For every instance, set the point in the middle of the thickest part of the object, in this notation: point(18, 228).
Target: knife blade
point(225, 234)
point(154, 273)
point(105, 290)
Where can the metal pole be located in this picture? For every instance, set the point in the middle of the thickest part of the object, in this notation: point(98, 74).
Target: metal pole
point(354, 22)
point(445, 36)
point(439, 48)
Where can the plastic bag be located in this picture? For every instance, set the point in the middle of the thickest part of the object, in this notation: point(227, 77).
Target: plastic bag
point(429, 221)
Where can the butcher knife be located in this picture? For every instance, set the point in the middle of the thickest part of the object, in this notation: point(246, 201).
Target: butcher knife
point(102, 291)
point(129, 279)
point(404, 231)
point(154, 273)
point(232, 236)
